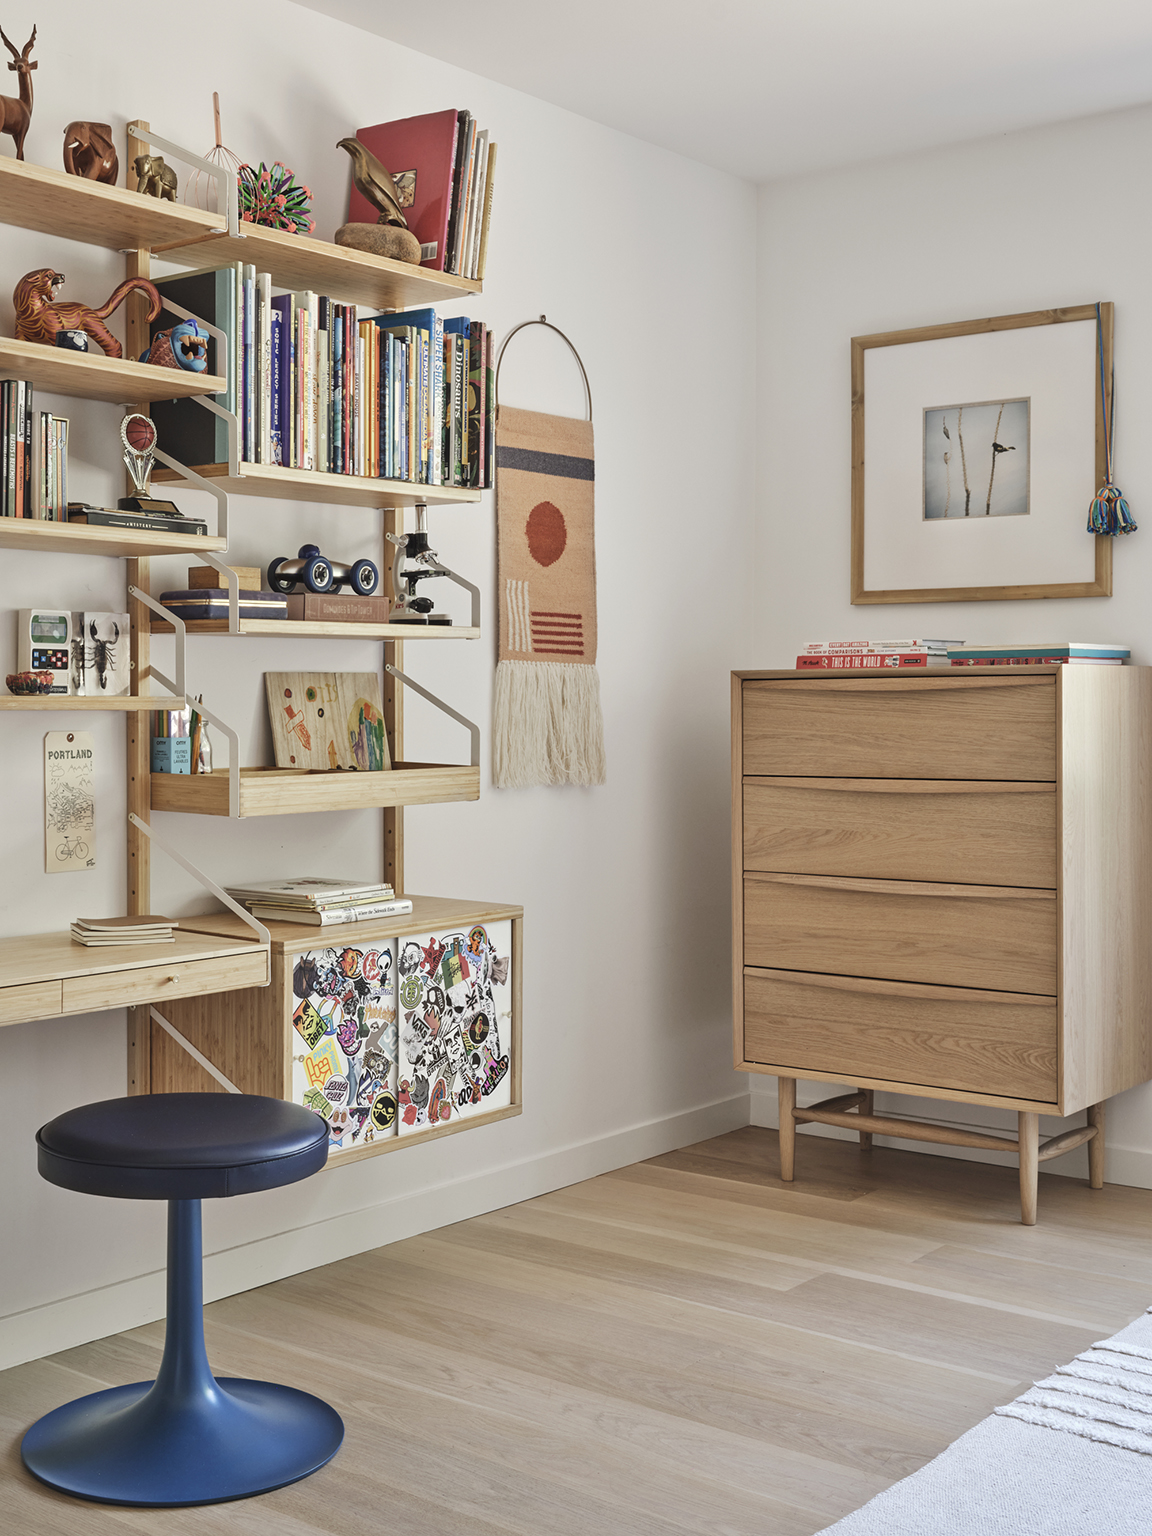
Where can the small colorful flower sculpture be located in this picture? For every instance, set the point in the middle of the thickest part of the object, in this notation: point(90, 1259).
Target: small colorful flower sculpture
point(273, 197)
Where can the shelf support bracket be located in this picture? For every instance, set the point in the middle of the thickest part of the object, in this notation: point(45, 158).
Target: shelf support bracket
point(201, 484)
point(227, 197)
point(233, 743)
point(225, 1082)
point(181, 684)
point(262, 934)
point(473, 730)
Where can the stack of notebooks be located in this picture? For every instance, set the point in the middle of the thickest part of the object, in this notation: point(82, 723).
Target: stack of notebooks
point(33, 456)
point(99, 932)
point(320, 385)
point(861, 655)
point(318, 901)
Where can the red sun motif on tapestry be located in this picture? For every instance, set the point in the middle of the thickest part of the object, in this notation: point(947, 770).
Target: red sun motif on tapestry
point(546, 532)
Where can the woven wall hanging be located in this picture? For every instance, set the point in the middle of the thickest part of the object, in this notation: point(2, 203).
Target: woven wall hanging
point(547, 724)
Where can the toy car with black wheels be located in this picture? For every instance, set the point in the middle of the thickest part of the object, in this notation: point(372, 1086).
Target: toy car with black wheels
point(319, 574)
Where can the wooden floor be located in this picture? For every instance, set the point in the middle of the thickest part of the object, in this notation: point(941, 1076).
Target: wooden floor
point(683, 1346)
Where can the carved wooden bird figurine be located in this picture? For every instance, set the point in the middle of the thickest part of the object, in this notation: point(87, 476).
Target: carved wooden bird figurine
point(374, 181)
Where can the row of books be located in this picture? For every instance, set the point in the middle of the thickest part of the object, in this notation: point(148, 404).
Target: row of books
point(319, 385)
point(33, 456)
point(444, 168)
point(862, 655)
point(319, 901)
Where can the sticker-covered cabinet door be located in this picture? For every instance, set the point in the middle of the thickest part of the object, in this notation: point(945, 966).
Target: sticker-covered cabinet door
point(344, 1057)
point(454, 998)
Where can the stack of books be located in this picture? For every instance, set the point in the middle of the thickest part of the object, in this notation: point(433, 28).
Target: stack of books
point(853, 655)
point(444, 168)
point(99, 932)
point(320, 385)
point(318, 901)
point(33, 456)
point(1061, 652)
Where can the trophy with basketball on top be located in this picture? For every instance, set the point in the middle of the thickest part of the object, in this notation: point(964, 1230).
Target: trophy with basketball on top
point(141, 509)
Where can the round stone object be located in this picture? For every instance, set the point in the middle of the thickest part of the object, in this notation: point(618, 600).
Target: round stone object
point(381, 240)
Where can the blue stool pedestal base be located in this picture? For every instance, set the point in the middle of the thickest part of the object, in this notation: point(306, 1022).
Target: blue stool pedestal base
point(139, 1445)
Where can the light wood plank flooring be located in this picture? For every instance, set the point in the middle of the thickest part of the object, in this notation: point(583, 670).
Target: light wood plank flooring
point(684, 1346)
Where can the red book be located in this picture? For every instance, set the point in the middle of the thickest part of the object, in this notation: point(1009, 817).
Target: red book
point(419, 152)
point(862, 662)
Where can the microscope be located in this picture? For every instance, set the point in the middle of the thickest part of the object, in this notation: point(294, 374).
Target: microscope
point(408, 607)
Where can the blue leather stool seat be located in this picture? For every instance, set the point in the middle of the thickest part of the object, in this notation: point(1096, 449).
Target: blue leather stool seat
point(181, 1146)
point(186, 1438)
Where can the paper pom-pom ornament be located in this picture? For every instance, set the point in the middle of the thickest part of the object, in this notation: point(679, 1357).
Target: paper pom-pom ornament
point(271, 195)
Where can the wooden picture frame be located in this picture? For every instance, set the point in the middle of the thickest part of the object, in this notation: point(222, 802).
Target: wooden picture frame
point(1099, 582)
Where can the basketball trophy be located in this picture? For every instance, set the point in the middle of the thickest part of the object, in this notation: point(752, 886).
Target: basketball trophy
point(138, 434)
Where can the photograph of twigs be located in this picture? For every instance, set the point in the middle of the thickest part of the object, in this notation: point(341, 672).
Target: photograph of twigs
point(976, 459)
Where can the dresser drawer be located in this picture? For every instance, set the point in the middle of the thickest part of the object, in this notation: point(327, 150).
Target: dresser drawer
point(153, 983)
point(886, 829)
point(902, 728)
point(952, 935)
point(931, 1037)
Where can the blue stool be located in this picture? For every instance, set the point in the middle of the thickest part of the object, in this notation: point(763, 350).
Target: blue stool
point(185, 1438)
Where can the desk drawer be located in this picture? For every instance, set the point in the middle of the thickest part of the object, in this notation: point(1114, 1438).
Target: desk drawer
point(29, 1000)
point(932, 1037)
point(902, 728)
point(951, 935)
point(153, 983)
point(885, 829)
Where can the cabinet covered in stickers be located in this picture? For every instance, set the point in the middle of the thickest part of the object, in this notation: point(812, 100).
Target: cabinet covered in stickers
point(402, 1027)
point(404, 1034)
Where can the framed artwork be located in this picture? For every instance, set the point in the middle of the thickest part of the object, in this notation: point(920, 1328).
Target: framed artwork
point(977, 448)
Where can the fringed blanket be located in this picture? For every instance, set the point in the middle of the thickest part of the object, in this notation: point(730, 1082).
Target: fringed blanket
point(547, 726)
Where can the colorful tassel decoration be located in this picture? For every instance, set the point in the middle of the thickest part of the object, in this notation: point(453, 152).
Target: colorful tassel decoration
point(1109, 512)
point(273, 197)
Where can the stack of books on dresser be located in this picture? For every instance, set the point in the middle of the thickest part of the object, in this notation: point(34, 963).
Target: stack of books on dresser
point(1021, 654)
point(319, 901)
point(862, 655)
point(99, 932)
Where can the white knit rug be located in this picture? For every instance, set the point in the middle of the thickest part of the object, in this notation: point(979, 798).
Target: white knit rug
point(1071, 1457)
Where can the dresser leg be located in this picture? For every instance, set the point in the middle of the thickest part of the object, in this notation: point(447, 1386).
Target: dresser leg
point(787, 1129)
point(1029, 1138)
point(1096, 1147)
point(867, 1108)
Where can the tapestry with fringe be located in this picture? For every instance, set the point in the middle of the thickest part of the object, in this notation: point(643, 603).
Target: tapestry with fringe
point(547, 726)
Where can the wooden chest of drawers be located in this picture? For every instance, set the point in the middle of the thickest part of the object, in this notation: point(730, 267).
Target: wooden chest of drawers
point(942, 885)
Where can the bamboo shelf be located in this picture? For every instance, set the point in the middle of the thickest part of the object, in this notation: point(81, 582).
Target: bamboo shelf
point(79, 539)
point(34, 197)
point(317, 629)
point(123, 703)
point(301, 261)
point(316, 485)
point(293, 791)
point(92, 376)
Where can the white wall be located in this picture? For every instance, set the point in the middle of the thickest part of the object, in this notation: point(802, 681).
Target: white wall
point(1024, 221)
point(647, 261)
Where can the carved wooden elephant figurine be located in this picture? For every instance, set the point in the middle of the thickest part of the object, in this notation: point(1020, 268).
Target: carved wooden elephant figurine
point(90, 152)
point(155, 178)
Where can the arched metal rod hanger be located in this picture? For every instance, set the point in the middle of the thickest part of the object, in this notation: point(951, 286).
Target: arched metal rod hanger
point(543, 320)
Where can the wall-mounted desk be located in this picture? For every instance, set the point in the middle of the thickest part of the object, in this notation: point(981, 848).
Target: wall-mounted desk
point(46, 975)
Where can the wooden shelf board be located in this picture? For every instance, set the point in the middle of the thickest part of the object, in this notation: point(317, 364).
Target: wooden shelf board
point(291, 791)
point(338, 1156)
point(92, 376)
point(429, 913)
point(317, 629)
point(124, 703)
point(35, 197)
point(79, 539)
point(313, 485)
point(301, 261)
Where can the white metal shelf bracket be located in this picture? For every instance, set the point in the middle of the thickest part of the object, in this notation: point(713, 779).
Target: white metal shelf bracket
point(245, 916)
point(473, 730)
point(227, 195)
point(185, 1044)
point(180, 686)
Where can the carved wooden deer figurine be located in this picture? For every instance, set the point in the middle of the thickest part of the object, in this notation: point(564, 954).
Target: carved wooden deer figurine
point(16, 115)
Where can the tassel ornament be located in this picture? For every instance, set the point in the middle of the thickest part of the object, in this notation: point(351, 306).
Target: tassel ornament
point(1108, 514)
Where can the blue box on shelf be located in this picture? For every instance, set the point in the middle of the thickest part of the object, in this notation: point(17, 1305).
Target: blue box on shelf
point(171, 754)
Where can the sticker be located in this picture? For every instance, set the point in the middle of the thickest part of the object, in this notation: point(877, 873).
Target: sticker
point(477, 941)
point(309, 1025)
point(411, 993)
point(69, 802)
point(321, 1065)
point(317, 1103)
point(384, 1110)
point(336, 1090)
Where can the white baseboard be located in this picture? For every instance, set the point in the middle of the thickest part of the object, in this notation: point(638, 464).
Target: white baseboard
point(130, 1303)
point(1122, 1165)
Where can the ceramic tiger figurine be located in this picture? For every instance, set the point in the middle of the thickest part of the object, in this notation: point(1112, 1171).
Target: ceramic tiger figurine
point(40, 319)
